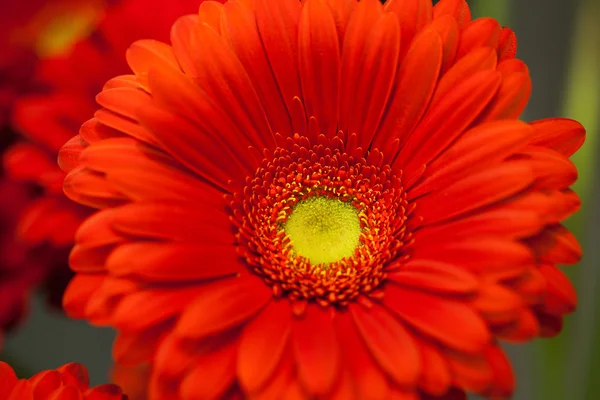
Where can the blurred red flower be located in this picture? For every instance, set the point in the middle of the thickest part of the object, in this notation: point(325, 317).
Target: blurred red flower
point(34, 29)
point(61, 98)
point(69, 382)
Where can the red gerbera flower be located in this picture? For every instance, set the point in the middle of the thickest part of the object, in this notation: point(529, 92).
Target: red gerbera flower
point(68, 382)
point(323, 199)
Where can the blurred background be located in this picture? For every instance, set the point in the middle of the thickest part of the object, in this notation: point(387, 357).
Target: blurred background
point(560, 42)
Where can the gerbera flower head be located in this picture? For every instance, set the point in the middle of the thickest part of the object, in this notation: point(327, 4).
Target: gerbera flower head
point(323, 199)
point(68, 382)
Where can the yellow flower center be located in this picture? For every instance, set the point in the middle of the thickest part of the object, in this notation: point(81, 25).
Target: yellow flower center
point(323, 230)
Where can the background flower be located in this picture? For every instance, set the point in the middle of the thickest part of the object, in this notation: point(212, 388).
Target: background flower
point(458, 204)
point(60, 97)
point(33, 29)
point(68, 382)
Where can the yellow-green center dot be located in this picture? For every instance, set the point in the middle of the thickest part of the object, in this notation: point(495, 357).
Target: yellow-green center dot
point(323, 230)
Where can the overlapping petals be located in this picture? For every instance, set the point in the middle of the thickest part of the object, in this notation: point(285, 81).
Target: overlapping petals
point(68, 382)
point(256, 103)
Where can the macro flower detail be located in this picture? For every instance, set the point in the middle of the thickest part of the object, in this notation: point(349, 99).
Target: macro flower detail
point(323, 199)
point(68, 382)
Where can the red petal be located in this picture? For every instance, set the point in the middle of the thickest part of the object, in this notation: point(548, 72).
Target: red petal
point(227, 83)
point(105, 392)
point(490, 257)
point(52, 119)
point(511, 99)
point(319, 63)
point(550, 326)
point(23, 390)
point(362, 100)
point(392, 346)
point(483, 59)
point(278, 27)
point(341, 10)
point(263, 342)
point(283, 377)
point(123, 101)
point(453, 394)
point(524, 329)
point(447, 27)
point(143, 173)
point(173, 222)
point(190, 125)
point(416, 80)
point(498, 304)
point(457, 8)
point(435, 376)
point(451, 322)
point(563, 135)
point(503, 382)
point(223, 304)
point(447, 120)
point(76, 375)
point(67, 393)
point(531, 286)
point(45, 383)
point(369, 380)
point(27, 162)
point(141, 310)
point(413, 15)
point(146, 54)
point(480, 189)
point(435, 277)
point(469, 372)
point(561, 296)
point(134, 348)
point(106, 125)
point(211, 375)
point(8, 379)
point(507, 48)
point(91, 189)
point(400, 394)
point(556, 245)
point(495, 221)
point(316, 350)
point(68, 156)
point(482, 146)
point(482, 32)
point(239, 27)
point(552, 170)
point(182, 40)
point(79, 292)
point(173, 262)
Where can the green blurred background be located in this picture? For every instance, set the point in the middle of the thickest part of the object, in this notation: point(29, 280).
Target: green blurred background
point(560, 42)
